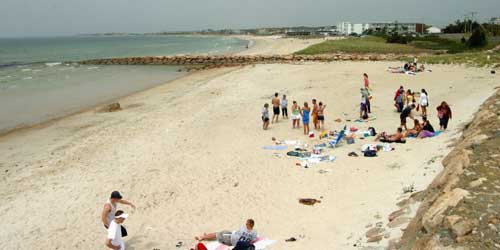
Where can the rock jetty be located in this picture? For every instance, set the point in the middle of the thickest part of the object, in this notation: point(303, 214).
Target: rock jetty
point(210, 61)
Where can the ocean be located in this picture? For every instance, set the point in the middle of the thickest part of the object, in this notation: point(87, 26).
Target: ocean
point(40, 79)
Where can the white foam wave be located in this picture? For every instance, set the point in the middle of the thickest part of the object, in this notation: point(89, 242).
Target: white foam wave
point(28, 78)
point(53, 64)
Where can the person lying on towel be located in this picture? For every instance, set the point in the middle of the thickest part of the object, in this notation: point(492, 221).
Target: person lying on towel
point(245, 234)
point(397, 137)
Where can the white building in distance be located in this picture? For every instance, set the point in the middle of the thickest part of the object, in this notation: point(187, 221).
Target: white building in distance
point(433, 30)
point(347, 28)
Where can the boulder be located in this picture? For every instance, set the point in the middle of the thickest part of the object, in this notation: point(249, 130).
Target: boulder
point(113, 107)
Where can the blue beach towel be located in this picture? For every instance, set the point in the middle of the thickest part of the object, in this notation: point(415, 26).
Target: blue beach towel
point(275, 147)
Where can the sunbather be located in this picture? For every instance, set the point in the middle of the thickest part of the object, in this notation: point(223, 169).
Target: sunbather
point(415, 131)
point(231, 238)
point(397, 137)
point(427, 129)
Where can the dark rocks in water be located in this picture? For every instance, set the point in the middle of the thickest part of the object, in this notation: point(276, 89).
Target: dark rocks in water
point(113, 107)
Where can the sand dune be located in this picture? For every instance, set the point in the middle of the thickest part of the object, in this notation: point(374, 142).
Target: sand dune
point(189, 154)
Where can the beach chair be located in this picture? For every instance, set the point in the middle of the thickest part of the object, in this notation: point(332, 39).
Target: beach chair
point(334, 143)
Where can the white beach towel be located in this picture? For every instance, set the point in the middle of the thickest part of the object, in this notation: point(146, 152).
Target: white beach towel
point(260, 244)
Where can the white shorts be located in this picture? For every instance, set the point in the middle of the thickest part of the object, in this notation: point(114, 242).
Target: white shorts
point(296, 117)
point(122, 246)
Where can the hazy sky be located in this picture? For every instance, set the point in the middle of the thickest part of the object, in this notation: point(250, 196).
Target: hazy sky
point(68, 17)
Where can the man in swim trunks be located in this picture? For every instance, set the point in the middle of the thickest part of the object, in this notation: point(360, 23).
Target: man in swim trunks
point(229, 238)
point(276, 107)
point(397, 137)
point(315, 114)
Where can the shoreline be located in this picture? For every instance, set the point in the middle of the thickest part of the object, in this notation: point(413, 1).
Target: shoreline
point(258, 45)
point(165, 160)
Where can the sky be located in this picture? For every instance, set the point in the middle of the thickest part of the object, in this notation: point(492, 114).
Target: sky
point(24, 18)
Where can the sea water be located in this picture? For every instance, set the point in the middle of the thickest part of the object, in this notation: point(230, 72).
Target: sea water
point(40, 79)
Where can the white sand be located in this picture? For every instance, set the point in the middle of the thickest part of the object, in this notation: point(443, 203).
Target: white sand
point(189, 154)
point(276, 45)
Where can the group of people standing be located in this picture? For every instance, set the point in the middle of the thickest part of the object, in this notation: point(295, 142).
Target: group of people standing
point(317, 112)
point(112, 219)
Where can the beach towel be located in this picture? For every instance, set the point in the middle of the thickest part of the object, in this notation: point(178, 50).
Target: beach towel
point(260, 244)
point(275, 147)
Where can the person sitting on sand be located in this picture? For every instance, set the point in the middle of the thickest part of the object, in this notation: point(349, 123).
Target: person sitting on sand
point(109, 210)
point(245, 234)
point(276, 107)
point(114, 240)
point(265, 116)
point(295, 115)
point(405, 114)
point(305, 117)
point(321, 115)
point(397, 137)
point(427, 129)
point(415, 131)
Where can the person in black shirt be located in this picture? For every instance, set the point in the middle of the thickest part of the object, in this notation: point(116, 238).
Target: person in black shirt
point(405, 114)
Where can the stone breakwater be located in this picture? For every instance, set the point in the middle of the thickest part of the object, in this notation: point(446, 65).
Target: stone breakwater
point(460, 208)
point(236, 60)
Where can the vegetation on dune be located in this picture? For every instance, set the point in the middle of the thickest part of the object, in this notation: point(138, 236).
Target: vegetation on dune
point(368, 44)
point(479, 59)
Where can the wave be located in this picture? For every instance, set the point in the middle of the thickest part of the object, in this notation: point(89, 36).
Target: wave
point(52, 64)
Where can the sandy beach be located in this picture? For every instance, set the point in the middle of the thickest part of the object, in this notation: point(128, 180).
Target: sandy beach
point(189, 154)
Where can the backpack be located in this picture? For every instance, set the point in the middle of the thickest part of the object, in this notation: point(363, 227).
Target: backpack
point(372, 131)
point(370, 153)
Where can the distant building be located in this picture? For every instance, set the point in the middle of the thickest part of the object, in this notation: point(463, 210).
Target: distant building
point(433, 30)
point(495, 20)
point(399, 27)
point(347, 28)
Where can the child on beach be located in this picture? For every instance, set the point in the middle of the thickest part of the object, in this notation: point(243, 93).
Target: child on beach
point(415, 131)
point(410, 97)
point(305, 117)
point(321, 115)
point(295, 115)
point(265, 116)
point(284, 107)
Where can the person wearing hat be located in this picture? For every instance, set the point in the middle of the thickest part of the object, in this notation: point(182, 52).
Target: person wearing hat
point(114, 240)
point(108, 213)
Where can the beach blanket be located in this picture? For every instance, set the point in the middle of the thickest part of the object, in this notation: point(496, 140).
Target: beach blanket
point(275, 147)
point(260, 244)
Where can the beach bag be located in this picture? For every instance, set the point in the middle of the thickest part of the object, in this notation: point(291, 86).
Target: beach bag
point(243, 245)
point(372, 131)
point(124, 231)
point(200, 246)
point(418, 107)
point(370, 153)
point(365, 116)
